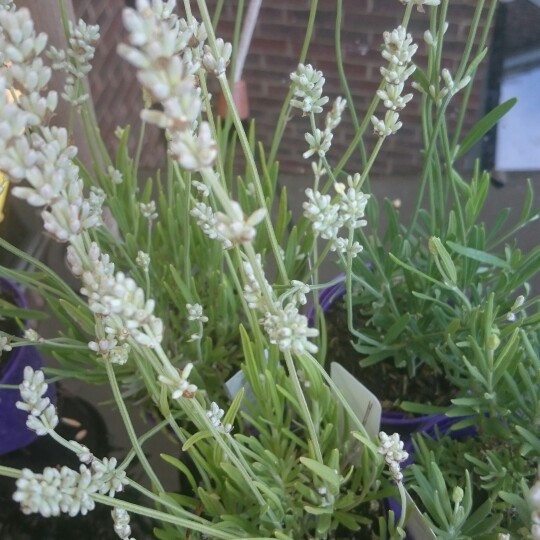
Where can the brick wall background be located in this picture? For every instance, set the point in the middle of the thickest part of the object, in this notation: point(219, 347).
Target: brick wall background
point(276, 45)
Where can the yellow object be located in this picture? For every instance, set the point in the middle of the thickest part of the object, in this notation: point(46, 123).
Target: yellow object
point(4, 184)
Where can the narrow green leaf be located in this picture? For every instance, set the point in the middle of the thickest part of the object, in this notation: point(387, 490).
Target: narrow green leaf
point(319, 510)
point(79, 314)
point(199, 436)
point(477, 255)
point(484, 125)
point(182, 467)
point(397, 328)
point(323, 472)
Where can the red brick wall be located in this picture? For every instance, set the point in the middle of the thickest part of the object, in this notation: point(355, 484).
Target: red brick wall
point(276, 45)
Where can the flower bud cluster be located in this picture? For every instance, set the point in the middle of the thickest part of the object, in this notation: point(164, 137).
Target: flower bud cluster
point(118, 299)
point(30, 150)
point(166, 52)
point(7, 5)
point(42, 416)
point(307, 87)
point(121, 521)
point(398, 51)
point(195, 314)
point(449, 87)
point(391, 447)
point(66, 491)
point(320, 141)
point(5, 344)
point(75, 61)
point(178, 383)
point(230, 229)
point(215, 414)
point(328, 215)
point(217, 63)
point(285, 326)
point(257, 290)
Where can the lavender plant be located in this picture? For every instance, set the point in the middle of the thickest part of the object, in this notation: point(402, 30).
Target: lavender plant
point(442, 300)
point(293, 459)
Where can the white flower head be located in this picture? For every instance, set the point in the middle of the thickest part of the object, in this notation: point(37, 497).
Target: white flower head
point(308, 86)
point(392, 96)
point(5, 344)
point(323, 214)
point(289, 330)
point(148, 210)
point(398, 47)
point(217, 63)
point(389, 126)
point(178, 383)
point(255, 293)
point(121, 521)
point(333, 118)
point(194, 152)
point(391, 447)
point(319, 143)
point(143, 260)
point(215, 414)
point(236, 227)
point(195, 313)
point(31, 335)
point(115, 175)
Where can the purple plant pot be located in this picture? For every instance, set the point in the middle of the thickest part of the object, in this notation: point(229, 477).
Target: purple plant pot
point(13, 431)
point(391, 421)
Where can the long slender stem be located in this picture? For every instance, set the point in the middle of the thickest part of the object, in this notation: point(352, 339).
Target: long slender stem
point(212, 532)
point(129, 427)
point(285, 109)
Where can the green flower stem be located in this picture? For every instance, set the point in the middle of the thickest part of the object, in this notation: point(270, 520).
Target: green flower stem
point(345, 83)
point(222, 79)
point(256, 178)
point(403, 497)
point(306, 413)
point(167, 414)
point(10, 472)
point(142, 439)
point(210, 531)
point(359, 133)
point(286, 108)
point(129, 427)
point(212, 122)
point(187, 8)
point(139, 149)
point(239, 9)
point(217, 13)
point(371, 109)
point(425, 177)
point(468, 90)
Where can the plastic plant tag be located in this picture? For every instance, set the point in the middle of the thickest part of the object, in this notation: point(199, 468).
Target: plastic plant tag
point(236, 383)
point(416, 524)
point(364, 404)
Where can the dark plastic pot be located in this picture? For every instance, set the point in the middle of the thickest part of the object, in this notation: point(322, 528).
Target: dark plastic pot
point(13, 431)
